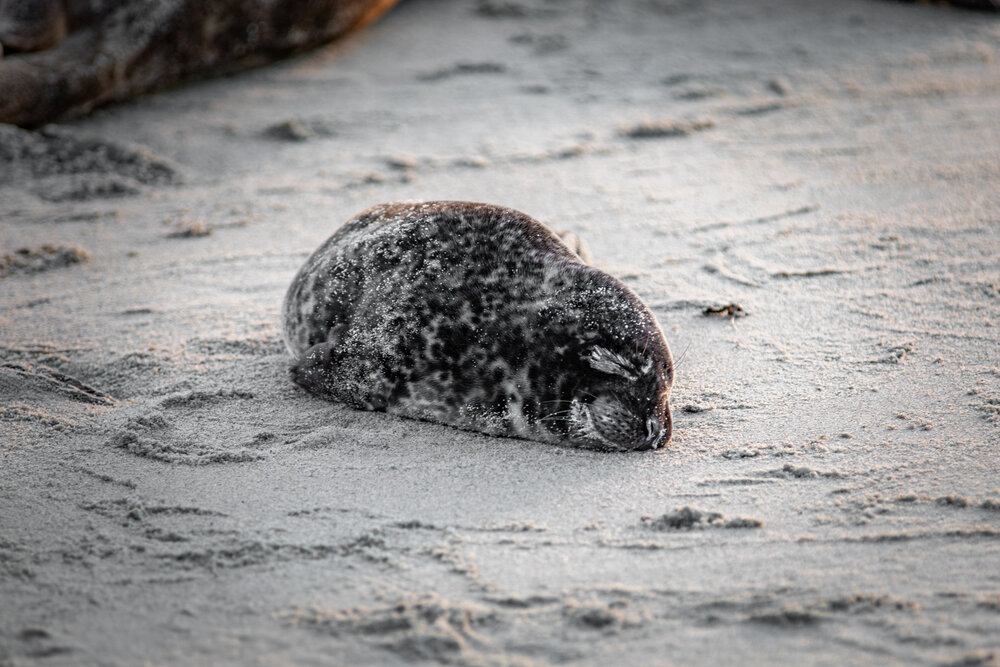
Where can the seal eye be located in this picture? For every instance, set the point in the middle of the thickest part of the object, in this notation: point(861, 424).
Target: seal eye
point(606, 361)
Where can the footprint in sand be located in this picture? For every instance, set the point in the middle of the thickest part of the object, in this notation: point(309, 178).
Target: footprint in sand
point(63, 165)
point(197, 428)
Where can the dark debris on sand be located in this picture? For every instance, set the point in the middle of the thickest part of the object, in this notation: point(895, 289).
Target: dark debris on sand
point(687, 518)
point(36, 260)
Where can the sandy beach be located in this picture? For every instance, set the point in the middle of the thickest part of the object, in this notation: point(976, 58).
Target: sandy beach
point(807, 196)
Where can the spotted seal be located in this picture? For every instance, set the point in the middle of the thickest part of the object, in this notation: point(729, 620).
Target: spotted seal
point(479, 317)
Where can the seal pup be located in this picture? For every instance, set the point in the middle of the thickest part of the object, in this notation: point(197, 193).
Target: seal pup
point(479, 317)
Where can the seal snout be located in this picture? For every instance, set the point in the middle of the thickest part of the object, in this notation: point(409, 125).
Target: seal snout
point(655, 430)
point(619, 426)
point(659, 430)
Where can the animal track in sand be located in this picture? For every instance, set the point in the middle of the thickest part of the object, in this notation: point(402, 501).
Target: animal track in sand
point(789, 471)
point(63, 165)
point(137, 517)
point(422, 627)
point(665, 129)
point(428, 627)
point(30, 383)
point(500, 628)
point(195, 428)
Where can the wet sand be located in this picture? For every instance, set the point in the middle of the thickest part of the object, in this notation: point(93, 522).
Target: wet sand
point(832, 492)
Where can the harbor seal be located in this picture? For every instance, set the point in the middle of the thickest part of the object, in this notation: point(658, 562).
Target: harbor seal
point(479, 317)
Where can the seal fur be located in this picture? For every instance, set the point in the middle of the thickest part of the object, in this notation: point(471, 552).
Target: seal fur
point(479, 317)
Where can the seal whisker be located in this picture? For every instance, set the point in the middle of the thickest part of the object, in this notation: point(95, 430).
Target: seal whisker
point(680, 358)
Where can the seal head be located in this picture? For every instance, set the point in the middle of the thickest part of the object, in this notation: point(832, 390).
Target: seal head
point(479, 317)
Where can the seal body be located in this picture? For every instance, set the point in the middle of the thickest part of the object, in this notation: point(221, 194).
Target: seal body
point(479, 317)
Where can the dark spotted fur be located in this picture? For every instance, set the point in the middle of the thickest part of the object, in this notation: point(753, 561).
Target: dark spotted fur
point(480, 317)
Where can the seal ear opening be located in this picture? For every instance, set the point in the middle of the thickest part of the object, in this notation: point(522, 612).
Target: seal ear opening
point(606, 361)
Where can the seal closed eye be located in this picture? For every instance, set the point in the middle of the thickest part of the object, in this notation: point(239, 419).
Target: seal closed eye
point(479, 317)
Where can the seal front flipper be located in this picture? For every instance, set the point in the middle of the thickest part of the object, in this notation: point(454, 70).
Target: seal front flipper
point(313, 369)
point(310, 371)
point(325, 371)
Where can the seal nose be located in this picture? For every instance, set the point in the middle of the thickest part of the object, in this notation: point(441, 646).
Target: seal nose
point(653, 431)
point(658, 432)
